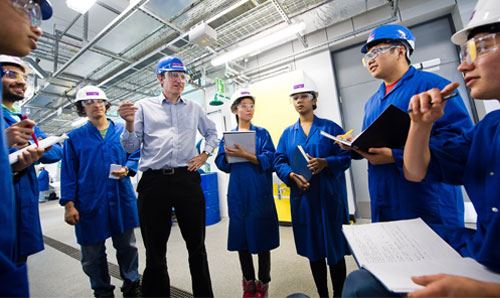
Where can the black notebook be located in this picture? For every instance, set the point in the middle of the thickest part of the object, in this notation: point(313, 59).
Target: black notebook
point(390, 129)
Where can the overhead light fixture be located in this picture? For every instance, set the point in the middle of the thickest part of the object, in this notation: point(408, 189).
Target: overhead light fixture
point(79, 122)
point(260, 44)
point(81, 6)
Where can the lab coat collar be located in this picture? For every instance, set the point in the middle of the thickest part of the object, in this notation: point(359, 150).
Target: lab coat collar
point(313, 127)
point(252, 127)
point(408, 75)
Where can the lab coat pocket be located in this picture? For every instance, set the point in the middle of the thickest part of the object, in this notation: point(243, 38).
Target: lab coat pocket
point(126, 190)
point(86, 201)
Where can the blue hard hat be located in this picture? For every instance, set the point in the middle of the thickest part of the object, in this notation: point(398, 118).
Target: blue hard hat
point(169, 63)
point(46, 8)
point(390, 32)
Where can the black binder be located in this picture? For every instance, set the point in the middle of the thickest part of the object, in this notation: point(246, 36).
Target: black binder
point(390, 129)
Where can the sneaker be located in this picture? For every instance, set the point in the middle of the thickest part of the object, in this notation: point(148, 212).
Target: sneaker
point(135, 289)
point(261, 289)
point(248, 288)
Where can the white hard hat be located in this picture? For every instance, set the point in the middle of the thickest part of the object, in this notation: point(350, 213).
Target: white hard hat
point(302, 85)
point(90, 92)
point(15, 61)
point(486, 12)
point(241, 93)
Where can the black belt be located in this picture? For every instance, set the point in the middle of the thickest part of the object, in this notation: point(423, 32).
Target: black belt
point(169, 171)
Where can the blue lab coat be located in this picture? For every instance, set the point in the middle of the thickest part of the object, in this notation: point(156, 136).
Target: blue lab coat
point(13, 277)
point(107, 207)
point(43, 180)
point(253, 221)
point(392, 196)
point(30, 239)
point(319, 212)
point(473, 159)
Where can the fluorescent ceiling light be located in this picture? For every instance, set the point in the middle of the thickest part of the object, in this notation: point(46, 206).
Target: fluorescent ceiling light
point(260, 44)
point(79, 122)
point(82, 6)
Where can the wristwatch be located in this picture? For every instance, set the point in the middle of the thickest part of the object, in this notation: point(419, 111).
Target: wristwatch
point(208, 153)
point(126, 171)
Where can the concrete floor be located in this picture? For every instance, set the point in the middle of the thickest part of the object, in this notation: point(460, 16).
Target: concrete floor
point(55, 274)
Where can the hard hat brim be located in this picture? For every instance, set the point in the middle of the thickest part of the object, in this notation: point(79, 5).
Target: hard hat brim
point(46, 8)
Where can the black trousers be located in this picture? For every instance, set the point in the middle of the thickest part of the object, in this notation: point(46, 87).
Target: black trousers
point(246, 263)
point(158, 193)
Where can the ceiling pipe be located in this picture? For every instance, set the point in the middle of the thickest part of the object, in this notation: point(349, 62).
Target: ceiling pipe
point(117, 21)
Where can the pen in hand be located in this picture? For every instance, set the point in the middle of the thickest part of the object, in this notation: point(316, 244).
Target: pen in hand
point(445, 98)
point(344, 135)
point(23, 117)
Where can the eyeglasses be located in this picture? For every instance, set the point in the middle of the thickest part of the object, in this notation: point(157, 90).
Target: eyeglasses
point(374, 53)
point(246, 106)
point(89, 102)
point(31, 8)
point(15, 75)
point(176, 75)
point(476, 47)
point(304, 96)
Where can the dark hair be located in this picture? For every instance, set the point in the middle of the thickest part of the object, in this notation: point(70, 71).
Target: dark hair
point(235, 104)
point(315, 94)
point(490, 28)
point(80, 109)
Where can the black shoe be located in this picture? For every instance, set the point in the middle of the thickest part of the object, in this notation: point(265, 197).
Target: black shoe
point(135, 289)
point(103, 296)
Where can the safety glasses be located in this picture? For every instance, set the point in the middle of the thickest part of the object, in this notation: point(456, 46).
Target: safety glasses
point(476, 47)
point(89, 102)
point(246, 106)
point(14, 75)
point(374, 53)
point(31, 8)
point(304, 96)
point(176, 75)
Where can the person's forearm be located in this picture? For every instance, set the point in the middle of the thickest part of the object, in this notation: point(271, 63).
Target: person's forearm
point(417, 154)
point(129, 125)
point(69, 205)
point(253, 159)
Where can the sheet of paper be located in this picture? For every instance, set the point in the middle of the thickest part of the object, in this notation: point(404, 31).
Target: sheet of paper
point(45, 143)
point(114, 167)
point(397, 241)
point(395, 251)
point(397, 276)
point(347, 143)
point(245, 139)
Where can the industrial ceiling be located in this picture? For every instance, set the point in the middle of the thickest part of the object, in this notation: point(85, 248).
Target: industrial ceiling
point(116, 45)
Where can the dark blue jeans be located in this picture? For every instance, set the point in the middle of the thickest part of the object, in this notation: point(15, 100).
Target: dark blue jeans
point(95, 263)
point(361, 283)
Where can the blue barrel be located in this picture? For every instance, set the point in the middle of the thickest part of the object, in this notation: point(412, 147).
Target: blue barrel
point(211, 192)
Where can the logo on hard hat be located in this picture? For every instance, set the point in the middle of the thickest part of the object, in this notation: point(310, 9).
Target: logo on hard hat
point(472, 16)
point(371, 37)
point(177, 64)
point(298, 86)
point(92, 93)
point(245, 92)
point(403, 34)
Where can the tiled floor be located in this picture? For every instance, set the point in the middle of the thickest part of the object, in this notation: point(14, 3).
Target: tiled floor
point(53, 273)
